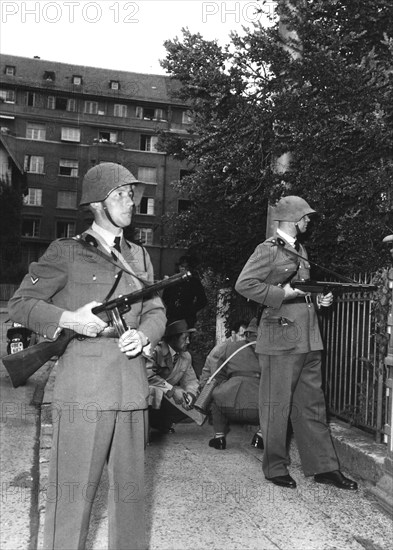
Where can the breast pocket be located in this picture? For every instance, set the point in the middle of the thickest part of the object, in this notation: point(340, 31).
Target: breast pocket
point(92, 283)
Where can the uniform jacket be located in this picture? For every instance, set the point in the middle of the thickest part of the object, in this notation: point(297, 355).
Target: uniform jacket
point(92, 371)
point(234, 390)
point(162, 372)
point(285, 327)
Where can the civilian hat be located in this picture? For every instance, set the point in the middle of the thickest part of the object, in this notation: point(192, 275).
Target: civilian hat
point(177, 327)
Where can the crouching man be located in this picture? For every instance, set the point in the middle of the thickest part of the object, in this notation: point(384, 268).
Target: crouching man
point(171, 375)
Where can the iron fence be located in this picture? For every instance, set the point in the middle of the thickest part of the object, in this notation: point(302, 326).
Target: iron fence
point(353, 370)
point(354, 375)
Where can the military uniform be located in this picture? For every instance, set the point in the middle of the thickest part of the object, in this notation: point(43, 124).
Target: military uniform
point(100, 395)
point(289, 346)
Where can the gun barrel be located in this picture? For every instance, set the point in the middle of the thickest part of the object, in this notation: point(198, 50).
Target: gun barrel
point(142, 293)
point(331, 286)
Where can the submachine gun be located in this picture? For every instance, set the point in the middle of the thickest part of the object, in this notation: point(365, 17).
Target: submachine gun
point(20, 366)
point(324, 287)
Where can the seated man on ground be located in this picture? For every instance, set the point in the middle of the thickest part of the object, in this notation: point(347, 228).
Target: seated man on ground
point(170, 374)
point(235, 399)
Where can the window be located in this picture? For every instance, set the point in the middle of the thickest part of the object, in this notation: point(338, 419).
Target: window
point(77, 80)
point(36, 131)
point(31, 228)
point(147, 174)
point(50, 76)
point(149, 143)
point(114, 85)
point(71, 105)
point(7, 96)
point(149, 113)
point(144, 235)
point(65, 229)
point(105, 136)
point(66, 199)
point(33, 198)
point(120, 110)
point(10, 70)
point(30, 99)
point(91, 107)
point(61, 103)
point(146, 206)
point(183, 205)
point(34, 164)
point(68, 168)
point(70, 134)
point(187, 117)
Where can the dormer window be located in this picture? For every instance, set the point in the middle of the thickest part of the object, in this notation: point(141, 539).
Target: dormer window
point(114, 85)
point(10, 70)
point(77, 80)
point(50, 76)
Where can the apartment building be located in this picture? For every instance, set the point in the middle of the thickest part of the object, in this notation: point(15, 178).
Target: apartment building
point(57, 120)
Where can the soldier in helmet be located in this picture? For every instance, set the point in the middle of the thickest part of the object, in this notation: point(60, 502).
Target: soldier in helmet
point(289, 348)
point(101, 388)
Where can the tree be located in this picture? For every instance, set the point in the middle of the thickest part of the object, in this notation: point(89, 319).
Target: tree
point(331, 108)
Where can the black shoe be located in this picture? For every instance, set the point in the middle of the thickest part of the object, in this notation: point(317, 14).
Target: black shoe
point(218, 443)
point(283, 481)
point(257, 442)
point(337, 479)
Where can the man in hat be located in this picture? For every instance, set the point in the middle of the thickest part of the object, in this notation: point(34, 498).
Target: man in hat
point(235, 398)
point(101, 389)
point(289, 346)
point(171, 374)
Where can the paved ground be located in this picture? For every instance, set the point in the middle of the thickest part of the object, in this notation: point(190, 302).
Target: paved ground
point(197, 497)
point(201, 498)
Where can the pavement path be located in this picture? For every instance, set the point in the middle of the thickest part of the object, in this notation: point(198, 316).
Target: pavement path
point(197, 497)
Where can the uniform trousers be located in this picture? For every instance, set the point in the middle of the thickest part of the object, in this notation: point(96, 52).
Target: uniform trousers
point(83, 440)
point(291, 388)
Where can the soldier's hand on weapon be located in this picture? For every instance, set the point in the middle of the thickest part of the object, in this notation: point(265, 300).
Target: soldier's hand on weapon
point(291, 293)
point(325, 300)
point(178, 396)
point(132, 342)
point(83, 321)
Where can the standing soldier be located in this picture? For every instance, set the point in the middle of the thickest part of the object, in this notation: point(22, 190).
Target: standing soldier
point(289, 346)
point(101, 389)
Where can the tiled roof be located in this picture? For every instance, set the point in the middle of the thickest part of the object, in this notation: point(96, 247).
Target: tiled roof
point(95, 81)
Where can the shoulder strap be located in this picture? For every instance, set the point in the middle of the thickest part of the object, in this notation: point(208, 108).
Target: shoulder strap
point(281, 242)
point(108, 258)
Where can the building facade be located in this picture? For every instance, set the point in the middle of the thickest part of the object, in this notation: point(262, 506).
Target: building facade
point(58, 120)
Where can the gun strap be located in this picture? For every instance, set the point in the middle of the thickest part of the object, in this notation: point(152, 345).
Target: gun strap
point(343, 278)
point(114, 286)
point(95, 250)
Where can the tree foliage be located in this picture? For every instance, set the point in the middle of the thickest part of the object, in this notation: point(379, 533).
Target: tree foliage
point(329, 106)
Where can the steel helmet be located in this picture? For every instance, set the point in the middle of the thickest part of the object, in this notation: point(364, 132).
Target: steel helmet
point(103, 178)
point(291, 209)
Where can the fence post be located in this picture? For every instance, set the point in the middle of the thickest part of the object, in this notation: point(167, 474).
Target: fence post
point(384, 488)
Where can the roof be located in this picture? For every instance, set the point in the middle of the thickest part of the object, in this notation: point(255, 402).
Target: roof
point(10, 145)
point(95, 81)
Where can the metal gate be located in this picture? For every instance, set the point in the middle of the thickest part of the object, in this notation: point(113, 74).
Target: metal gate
point(353, 371)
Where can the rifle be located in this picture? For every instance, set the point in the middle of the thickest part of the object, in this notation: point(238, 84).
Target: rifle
point(325, 287)
point(20, 366)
